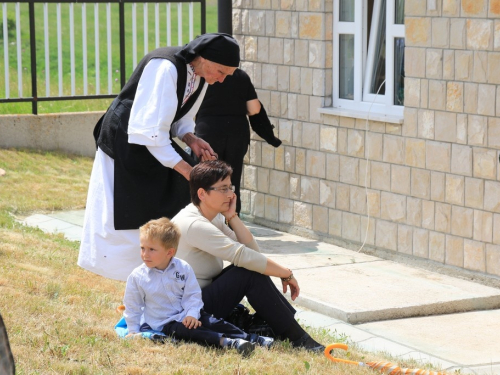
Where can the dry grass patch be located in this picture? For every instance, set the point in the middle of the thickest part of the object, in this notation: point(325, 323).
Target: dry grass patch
point(60, 318)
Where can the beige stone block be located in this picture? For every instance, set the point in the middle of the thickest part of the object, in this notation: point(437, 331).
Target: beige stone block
point(358, 200)
point(306, 81)
point(415, 8)
point(271, 23)
point(276, 50)
point(349, 170)
point(494, 8)
point(356, 143)
point(410, 127)
point(386, 235)
point(498, 100)
point(426, 124)
point(418, 31)
point(279, 183)
point(316, 164)
point(437, 242)
point(470, 97)
point(258, 204)
point(347, 122)
point(400, 179)
point(412, 92)
point(295, 25)
point(443, 217)
point(294, 186)
point(335, 223)
point(480, 69)
point(317, 53)
point(415, 62)
point(267, 156)
point(479, 34)
point(255, 151)
point(393, 207)
point(250, 177)
point(494, 132)
point(438, 156)
point(493, 259)
point(367, 230)
point(474, 256)
point(428, 214)
point(463, 65)
point(492, 196)
point(309, 190)
point(451, 8)
point(421, 243)
point(333, 167)
point(424, 93)
point(263, 50)
point(351, 226)
point(437, 186)
point(283, 24)
point(485, 163)
point(311, 26)
point(301, 56)
point(457, 33)
point(496, 37)
point(440, 32)
point(449, 65)
point(415, 152)
point(462, 124)
point(494, 67)
point(300, 161)
point(374, 145)
point(477, 127)
point(380, 176)
point(461, 160)
point(279, 158)
point(455, 189)
point(302, 215)
point(263, 180)
point(496, 229)
point(297, 133)
point(288, 51)
point(285, 131)
point(420, 183)
point(251, 48)
point(364, 173)
point(486, 100)
point(292, 106)
point(462, 221)
point(270, 77)
point(262, 4)
point(285, 211)
point(454, 96)
point(414, 212)
point(320, 219)
point(437, 95)
point(327, 193)
point(474, 8)
point(245, 201)
point(295, 79)
point(342, 199)
point(283, 78)
point(289, 159)
point(314, 103)
point(454, 251)
point(310, 136)
point(445, 127)
point(271, 210)
point(483, 226)
point(405, 239)
point(275, 107)
point(320, 84)
point(394, 149)
point(474, 192)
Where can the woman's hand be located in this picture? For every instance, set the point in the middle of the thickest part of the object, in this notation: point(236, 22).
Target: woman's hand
point(200, 147)
point(294, 288)
point(191, 322)
point(232, 208)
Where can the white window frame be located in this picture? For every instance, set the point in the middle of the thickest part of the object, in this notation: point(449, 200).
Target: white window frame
point(363, 101)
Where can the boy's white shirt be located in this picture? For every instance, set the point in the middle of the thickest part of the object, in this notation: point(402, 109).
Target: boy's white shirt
point(158, 297)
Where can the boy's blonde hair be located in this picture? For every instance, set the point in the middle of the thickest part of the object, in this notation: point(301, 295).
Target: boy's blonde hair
point(162, 230)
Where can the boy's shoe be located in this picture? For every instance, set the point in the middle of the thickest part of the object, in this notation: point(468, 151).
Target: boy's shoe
point(308, 343)
point(242, 346)
point(263, 341)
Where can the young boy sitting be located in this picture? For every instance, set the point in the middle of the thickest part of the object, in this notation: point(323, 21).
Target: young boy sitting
point(163, 294)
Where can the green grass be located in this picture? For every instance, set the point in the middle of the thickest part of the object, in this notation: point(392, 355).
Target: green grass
point(76, 106)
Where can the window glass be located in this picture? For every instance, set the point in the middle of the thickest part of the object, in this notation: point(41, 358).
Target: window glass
point(399, 18)
point(346, 65)
point(399, 71)
point(346, 11)
point(378, 73)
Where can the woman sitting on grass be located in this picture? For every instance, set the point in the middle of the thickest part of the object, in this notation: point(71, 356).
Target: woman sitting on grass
point(206, 241)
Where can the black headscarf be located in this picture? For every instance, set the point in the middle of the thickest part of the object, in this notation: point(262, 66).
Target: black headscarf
point(217, 47)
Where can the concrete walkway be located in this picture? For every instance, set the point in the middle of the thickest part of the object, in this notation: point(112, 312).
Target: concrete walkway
point(382, 306)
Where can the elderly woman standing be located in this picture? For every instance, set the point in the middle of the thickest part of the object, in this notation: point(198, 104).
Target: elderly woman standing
point(206, 241)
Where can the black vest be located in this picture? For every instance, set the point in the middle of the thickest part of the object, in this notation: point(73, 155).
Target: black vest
point(144, 189)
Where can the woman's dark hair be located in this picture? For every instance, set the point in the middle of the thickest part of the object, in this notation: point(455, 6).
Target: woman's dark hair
point(205, 174)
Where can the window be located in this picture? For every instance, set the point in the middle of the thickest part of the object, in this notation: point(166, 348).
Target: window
point(368, 56)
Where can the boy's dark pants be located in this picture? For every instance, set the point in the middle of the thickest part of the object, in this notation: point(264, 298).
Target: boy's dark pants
point(210, 331)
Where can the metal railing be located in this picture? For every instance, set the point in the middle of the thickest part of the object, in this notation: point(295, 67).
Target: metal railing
point(38, 39)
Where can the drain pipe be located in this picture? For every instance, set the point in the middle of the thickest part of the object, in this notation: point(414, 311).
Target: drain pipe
point(225, 16)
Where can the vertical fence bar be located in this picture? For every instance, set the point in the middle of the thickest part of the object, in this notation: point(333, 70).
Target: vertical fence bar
point(72, 45)
point(110, 57)
point(179, 24)
point(203, 17)
point(191, 10)
point(59, 49)
point(157, 25)
point(146, 28)
point(46, 47)
point(169, 24)
point(97, 57)
point(134, 36)
point(6, 50)
point(34, 94)
point(122, 44)
point(84, 49)
point(18, 47)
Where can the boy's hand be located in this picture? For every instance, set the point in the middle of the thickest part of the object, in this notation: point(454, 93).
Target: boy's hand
point(191, 323)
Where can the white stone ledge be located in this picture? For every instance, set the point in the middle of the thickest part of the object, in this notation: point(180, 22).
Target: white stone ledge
point(343, 112)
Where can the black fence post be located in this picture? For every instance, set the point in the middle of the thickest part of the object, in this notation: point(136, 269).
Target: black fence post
point(123, 75)
point(225, 15)
point(34, 94)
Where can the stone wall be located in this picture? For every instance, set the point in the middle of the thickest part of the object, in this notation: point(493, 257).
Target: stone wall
point(433, 183)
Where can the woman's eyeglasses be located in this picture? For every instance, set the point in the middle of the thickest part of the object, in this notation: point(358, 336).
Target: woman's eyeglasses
point(222, 189)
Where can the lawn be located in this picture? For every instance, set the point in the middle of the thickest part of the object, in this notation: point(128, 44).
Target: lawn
point(60, 318)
